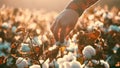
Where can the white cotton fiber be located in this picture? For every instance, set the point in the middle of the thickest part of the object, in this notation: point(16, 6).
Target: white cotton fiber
point(5, 25)
point(65, 57)
point(5, 46)
point(71, 58)
point(38, 66)
point(36, 40)
point(106, 65)
point(25, 47)
point(66, 64)
point(35, 66)
point(60, 60)
point(2, 54)
point(45, 65)
point(21, 62)
point(75, 64)
point(88, 52)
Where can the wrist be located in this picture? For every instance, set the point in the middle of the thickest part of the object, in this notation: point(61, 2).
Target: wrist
point(80, 5)
point(74, 6)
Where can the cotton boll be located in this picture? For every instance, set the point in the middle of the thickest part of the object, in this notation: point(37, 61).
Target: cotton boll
point(72, 47)
point(6, 45)
point(75, 64)
point(21, 62)
point(35, 66)
point(5, 25)
point(66, 64)
point(53, 47)
point(65, 57)
point(2, 54)
point(36, 40)
point(99, 24)
point(60, 60)
point(106, 65)
point(61, 66)
point(14, 28)
point(114, 27)
point(45, 65)
point(25, 47)
point(44, 38)
point(95, 61)
point(71, 58)
point(56, 64)
point(88, 52)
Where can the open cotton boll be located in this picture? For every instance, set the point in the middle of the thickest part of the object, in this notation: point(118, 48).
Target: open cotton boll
point(2, 54)
point(35, 66)
point(75, 64)
point(60, 60)
point(95, 61)
point(56, 64)
point(114, 27)
point(99, 24)
point(61, 66)
point(71, 58)
point(21, 62)
point(25, 47)
point(45, 65)
point(44, 38)
point(106, 65)
point(88, 52)
point(66, 64)
point(5, 25)
point(36, 40)
point(72, 47)
point(74, 39)
point(65, 57)
point(6, 45)
point(14, 28)
point(53, 47)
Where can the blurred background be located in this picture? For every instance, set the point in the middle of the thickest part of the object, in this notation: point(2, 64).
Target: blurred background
point(25, 34)
point(56, 5)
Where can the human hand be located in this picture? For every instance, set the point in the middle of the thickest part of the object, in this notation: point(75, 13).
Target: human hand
point(64, 23)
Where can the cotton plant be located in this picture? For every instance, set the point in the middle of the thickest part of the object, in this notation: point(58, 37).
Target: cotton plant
point(88, 52)
point(66, 65)
point(36, 40)
point(44, 65)
point(24, 47)
point(35, 66)
point(75, 64)
point(21, 62)
point(5, 46)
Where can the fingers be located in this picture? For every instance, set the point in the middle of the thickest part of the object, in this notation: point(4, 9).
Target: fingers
point(60, 32)
point(55, 30)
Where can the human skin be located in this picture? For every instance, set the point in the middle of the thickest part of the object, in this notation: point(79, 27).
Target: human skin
point(67, 19)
